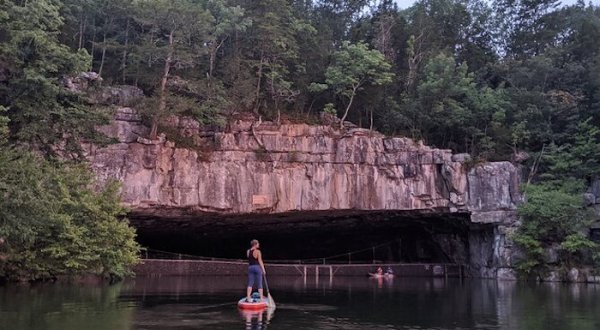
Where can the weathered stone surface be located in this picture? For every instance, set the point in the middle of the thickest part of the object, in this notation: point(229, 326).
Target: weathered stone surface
point(119, 95)
point(551, 254)
point(589, 199)
point(310, 169)
point(593, 279)
point(552, 276)
point(494, 192)
point(303, 168)
point(90, 84)
point(506, 274)
point(595, 188)
point(574, 275)
point(461, 158)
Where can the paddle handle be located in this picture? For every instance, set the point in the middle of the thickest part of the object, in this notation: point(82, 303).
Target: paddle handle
point(266, 283)
point(269, 297)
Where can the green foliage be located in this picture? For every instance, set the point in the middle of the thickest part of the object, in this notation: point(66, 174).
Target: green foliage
point(330, 109)
point(577, 158)
point(55, 224)
point(32, 62)
point(575, 243)
point(3, 126)
point(356, 66)
point(490, 79)
point(450, 110)
point(554, 213)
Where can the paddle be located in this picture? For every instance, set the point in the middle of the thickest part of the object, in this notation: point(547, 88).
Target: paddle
point(269, 297)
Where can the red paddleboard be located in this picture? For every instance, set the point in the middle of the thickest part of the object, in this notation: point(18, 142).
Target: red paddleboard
point(253, 306)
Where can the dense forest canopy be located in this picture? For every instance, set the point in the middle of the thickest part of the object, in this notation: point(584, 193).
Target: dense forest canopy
point(501, 80)
point(488, 78)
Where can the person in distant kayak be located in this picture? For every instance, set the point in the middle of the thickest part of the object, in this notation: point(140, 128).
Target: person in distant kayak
point(389, 271)
point(256, 270)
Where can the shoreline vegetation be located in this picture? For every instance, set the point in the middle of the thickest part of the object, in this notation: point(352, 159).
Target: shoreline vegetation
point(56, 225)
point(502, 80)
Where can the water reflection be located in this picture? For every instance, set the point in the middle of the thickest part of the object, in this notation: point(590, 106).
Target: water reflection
point(178, 303)
point(62, 306)
point(257, 320)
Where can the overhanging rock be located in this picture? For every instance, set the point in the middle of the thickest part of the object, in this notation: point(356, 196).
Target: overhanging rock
point(300, 168)
point(262, 168)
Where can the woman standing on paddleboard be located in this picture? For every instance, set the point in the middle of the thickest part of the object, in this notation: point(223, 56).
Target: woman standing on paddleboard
point(256, 270)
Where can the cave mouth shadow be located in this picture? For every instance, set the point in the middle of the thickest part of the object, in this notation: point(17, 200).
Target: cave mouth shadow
point(386, 236)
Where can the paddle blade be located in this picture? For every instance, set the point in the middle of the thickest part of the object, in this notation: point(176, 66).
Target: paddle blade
point(271, 301)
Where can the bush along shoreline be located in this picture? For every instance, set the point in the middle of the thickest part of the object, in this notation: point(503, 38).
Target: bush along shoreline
point(55, 225)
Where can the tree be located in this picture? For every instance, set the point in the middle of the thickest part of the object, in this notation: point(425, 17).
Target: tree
point(554, 214)
point(271, 52)
point(55, 224)
point(525, 27)
point(3, 126)
point(33, 62)
point(354, 67)
point(451, 111)
point(577, 159)
point(176, 34)
point(228, 20)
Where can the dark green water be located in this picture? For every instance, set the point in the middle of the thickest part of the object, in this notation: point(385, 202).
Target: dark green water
point(345, 303)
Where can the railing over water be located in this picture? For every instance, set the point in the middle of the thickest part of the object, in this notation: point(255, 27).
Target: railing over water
point(351, 257)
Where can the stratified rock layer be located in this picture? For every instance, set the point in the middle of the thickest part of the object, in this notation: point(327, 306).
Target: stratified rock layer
point(265, 168)
point(300, 168)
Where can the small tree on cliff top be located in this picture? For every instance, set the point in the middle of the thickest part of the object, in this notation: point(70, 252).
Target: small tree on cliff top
point(355, 66)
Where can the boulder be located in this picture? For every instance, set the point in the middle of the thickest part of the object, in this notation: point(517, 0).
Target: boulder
point(552, 276)
point(593, 279)
point(551, 254)
point(461, 158)
point(575, 275)
point(506, 274)
point(589, 199)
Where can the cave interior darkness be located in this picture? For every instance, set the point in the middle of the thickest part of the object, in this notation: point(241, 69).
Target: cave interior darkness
point(406, 237)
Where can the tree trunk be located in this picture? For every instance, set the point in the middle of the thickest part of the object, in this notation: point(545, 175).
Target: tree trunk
point(213, 58)
point(348, 107)
point(414, 59)
point(93, 50)
point(124, 64)
point(103, 54)
point(257, 92)
point(162, 103)
point(81, 30)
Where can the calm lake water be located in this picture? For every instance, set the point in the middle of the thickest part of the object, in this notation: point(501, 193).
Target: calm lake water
point(344, 303)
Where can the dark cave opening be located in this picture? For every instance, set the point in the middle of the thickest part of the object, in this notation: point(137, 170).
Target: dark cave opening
point(358, 237)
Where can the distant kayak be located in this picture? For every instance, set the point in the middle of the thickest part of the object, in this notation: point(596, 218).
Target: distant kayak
point(375, 275)
point(255, 305)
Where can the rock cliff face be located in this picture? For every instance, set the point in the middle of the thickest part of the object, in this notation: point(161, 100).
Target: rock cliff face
point(300, 168)
point(262, 168)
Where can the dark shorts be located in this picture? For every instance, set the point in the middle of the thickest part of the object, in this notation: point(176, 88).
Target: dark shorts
point(255, 276)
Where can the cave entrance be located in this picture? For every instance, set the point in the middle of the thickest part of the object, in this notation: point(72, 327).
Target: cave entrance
point(357, 237)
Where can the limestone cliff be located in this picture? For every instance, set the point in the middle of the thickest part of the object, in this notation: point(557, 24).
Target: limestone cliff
point(252, 168)
point(300, 168)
